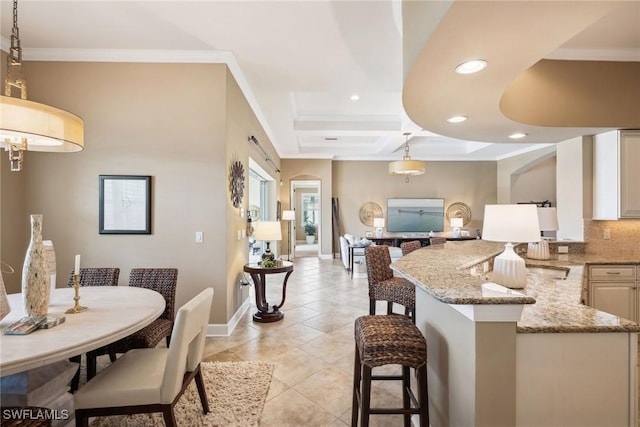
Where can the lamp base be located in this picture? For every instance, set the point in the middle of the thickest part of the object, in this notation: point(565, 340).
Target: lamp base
point(509, 269)
point(379, 233)
point(267, 255)
point(538, 250)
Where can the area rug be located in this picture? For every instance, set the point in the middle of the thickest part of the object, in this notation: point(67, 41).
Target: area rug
point(236, 392)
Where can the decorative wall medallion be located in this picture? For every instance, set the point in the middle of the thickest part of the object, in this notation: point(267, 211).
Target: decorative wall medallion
point(368, 211)
point(236, 182)
point(459, 210)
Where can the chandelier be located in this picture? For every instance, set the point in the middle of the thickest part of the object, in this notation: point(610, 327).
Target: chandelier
point(406, 166)
point(31, 126)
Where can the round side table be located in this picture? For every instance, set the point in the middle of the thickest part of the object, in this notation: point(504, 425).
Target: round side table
point(258, 274)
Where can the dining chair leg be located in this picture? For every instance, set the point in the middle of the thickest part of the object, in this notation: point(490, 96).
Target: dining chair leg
point(91, 365)
point(75, 381)
point(169, 416)
point(202, 391)
point(372, 306)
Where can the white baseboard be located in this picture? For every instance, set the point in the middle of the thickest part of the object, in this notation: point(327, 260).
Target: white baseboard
point(224, 330)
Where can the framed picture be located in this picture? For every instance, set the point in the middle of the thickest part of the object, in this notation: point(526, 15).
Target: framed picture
point(368, 234)
point(278, 210)
point(125, 204)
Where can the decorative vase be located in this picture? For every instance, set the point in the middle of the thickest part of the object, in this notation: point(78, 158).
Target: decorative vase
point(35, 273)
point(4, 302)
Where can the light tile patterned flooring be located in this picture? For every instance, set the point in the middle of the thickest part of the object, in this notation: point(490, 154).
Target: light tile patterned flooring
point(312, 348)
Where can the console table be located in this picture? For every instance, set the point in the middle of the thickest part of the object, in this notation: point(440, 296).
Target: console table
point(258, 274)
point(396, 241)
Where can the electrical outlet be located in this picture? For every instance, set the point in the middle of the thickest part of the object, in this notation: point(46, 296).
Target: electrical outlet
point(563, 249)
point(607, 234)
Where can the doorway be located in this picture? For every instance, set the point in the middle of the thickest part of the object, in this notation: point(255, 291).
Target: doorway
point(306, 237)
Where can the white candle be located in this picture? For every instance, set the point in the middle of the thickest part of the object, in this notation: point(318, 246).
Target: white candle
point(77, 269)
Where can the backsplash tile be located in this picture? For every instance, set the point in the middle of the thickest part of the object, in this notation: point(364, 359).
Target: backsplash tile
point(624, 236)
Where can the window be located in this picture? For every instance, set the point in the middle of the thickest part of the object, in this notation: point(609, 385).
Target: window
point(310, 208)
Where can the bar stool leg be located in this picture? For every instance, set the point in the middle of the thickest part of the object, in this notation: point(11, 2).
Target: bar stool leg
point(406, 400)
point(357, 375)
point(423, 396)
point(366, 395)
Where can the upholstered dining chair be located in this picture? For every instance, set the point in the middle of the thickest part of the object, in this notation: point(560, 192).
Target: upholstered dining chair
point(92, 276)
point(384, 286)
point(152, 379)
point(410, 246)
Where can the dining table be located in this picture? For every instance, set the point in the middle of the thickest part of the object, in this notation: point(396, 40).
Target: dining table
point(38, 361)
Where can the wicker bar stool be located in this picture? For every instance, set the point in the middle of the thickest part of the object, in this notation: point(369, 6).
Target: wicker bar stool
point(410, 246)
point(384, 340)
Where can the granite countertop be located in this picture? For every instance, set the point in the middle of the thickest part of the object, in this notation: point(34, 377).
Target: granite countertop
point(454, 272)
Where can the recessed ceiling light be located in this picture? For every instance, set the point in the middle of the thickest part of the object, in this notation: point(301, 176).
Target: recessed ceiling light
point(517, 135)
point(472, 66)
point(457, 119)
point(355, 97)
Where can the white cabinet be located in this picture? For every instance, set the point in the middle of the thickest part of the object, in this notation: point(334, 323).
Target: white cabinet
point(616, 175)
point(614, 289)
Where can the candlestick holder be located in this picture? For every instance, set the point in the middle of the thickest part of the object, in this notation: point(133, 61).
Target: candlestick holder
point(77, 308)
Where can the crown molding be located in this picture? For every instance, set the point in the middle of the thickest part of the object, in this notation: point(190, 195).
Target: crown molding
point(152, 56)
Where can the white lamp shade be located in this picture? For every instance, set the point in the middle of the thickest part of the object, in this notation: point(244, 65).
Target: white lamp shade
point(548, 219)
point(457, 222)
point(378, 222)
point(288, 215)
point(407, 167)
point(511, 223)
point(267, 230)
point(46, 128)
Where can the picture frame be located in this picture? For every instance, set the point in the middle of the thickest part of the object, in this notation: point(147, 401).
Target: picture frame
point(368, 234)
point(278, 210)
point(124, 204)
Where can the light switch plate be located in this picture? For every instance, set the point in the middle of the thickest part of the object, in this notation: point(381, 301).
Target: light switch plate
point(199, 237)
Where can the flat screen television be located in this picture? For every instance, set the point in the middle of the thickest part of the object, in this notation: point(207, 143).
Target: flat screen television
point(415, 215)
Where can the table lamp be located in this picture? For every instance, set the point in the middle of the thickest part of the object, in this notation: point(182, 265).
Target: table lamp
point(378, 223)
point(268, 231)
point(548, 220)
point(510, 223)
point(456, 223)
point(289, 216)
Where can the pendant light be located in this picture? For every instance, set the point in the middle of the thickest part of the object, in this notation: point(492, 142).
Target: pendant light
point(31, 126)
point(406, 166)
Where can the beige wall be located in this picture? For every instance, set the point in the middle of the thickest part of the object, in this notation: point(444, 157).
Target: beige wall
point(358, 182)
point(179, 123)
point(516, 168)
point(537, 184)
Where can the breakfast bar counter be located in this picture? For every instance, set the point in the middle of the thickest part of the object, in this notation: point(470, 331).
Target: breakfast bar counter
point(526, 357)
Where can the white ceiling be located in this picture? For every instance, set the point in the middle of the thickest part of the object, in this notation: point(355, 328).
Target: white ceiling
point(299, 62)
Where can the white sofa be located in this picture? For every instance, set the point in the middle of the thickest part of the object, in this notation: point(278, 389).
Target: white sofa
point(359, 263)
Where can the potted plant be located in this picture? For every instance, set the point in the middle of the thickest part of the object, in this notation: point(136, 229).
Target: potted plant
point(310, 231)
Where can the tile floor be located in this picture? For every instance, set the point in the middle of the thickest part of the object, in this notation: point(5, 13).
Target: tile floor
point(312, 348)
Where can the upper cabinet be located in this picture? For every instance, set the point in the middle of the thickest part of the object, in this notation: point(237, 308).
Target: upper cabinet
point(616, 175)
